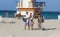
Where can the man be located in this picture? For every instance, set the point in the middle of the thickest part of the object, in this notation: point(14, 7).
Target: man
point(6, 14)
point(27, 21)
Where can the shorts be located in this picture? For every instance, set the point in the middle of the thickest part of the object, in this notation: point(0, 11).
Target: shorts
point(26, 23)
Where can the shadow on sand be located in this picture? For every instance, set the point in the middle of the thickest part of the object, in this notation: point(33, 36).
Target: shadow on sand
point(35, 29)
point(12, 22)
point(45, 29)
point(50, 29)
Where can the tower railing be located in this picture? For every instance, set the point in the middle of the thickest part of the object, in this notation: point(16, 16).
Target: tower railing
point(32, 5)
point(39, 4)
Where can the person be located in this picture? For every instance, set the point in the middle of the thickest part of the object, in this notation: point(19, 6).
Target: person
point(41, 22)
point(6, 14)
point(31, 16)
point(15, 15)
point(31, 24)
point(27, 21)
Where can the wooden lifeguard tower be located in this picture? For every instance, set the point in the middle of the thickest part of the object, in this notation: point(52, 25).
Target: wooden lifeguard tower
point(30, 6)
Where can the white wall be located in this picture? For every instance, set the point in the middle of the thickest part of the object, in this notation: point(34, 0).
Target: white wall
point(24, 12)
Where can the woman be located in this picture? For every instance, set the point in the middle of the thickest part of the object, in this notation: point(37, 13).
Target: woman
point(39, 23)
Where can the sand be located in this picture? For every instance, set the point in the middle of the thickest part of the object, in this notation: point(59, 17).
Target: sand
point(16, 29)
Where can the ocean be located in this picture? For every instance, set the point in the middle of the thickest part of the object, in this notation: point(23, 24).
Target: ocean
point(46, 14)
point(10, 13)
point(50, 14)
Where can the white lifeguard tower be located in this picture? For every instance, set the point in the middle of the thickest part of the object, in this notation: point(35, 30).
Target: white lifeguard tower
point(30, 6)
point(58, 17)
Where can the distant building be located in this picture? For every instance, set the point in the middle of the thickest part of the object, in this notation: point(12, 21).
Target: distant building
point(30, 6)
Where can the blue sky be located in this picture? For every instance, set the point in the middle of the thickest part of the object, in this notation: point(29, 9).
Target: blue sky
point(51, 5)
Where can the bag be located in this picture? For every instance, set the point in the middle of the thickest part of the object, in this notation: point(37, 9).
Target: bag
point(24, 19)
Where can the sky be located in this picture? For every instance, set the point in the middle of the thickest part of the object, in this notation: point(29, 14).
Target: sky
point(51, 5)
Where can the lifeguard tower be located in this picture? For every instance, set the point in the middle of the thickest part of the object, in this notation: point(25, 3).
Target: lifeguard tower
point(30, 6)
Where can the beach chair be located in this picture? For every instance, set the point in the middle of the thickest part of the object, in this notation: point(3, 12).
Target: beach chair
point(1, 20)
point(58, 17)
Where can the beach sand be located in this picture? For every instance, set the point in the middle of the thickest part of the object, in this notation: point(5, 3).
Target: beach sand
point(16, 29)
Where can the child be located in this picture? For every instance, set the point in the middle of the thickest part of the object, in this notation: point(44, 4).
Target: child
point(31, 24)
